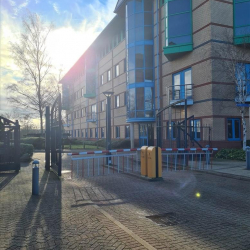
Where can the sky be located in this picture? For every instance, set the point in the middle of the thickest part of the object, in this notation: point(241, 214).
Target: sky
point(76, 25)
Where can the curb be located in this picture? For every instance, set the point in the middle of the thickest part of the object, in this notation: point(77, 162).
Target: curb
point(232, 176)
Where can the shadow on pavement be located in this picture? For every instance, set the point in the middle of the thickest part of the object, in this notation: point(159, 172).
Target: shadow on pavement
point(41, 218)
point(6, 178)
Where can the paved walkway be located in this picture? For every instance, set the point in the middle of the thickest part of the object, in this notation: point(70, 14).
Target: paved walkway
point(124, 212)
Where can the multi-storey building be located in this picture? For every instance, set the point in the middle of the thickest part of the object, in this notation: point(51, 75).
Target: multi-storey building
point(154, 53)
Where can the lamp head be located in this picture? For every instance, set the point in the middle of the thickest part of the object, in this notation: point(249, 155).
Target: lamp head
point(108, 93)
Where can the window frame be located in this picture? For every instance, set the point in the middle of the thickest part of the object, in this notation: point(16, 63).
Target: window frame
point(193, 129)
point(233, 129)
point(117, 132)
point(109, 75)
point(126, 131)
point(240, 39)
point(182, 85)
point(102, 106)
point(117, 104)
point(117, 72)
point(166, 23)
point(102, 132)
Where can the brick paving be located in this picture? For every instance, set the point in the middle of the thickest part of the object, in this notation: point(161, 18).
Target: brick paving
point(110, 212)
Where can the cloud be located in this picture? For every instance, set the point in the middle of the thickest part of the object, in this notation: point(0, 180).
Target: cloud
point(56, 8)
point(11, 3)
point(80, 27)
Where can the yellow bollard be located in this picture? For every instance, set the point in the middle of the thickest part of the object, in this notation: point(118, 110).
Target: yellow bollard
point(151, 162)
point(144, 160)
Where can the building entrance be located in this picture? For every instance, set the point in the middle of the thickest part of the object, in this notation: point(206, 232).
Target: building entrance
point(146, 134)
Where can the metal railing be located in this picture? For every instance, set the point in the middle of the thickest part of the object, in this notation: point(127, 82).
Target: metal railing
point(96, 163)
point(187, 159)
point(180, 92)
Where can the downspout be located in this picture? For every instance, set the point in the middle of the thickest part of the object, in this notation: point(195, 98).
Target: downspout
point(158, 73)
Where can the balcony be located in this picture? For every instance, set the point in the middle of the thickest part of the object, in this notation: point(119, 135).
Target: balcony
point(178, 93)
point(91, 117)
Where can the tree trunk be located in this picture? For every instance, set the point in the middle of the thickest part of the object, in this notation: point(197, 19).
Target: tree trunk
point(244, 129)
point(41, 121)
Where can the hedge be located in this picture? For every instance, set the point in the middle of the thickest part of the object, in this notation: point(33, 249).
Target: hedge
point(26, 149)
point(231, 154)
point(37, 142)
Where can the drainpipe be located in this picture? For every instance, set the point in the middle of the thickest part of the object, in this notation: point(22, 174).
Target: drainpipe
point(158, 73)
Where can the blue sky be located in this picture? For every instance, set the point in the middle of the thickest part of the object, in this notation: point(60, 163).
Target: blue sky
point(77, 24)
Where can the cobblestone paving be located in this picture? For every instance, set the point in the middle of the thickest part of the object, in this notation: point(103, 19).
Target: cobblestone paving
point(99, 212)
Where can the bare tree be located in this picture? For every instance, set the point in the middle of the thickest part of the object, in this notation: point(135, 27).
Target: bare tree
point(231, 65)
point(38, 87)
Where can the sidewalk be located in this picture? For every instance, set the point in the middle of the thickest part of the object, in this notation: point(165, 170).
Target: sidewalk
point(229, 168)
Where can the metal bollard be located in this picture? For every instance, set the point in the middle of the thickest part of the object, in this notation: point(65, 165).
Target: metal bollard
point(35, 178)
point(207, 156)
point(248, 157)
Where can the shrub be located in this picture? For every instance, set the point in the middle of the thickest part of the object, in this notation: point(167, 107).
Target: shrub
point(121, 144)
point(26, 149)
point(231, 154)
point(37, 142)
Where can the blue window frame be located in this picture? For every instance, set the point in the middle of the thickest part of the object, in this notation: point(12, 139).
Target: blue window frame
point(86, 133)
point(91, 132)
point(117, 132)
point(127, 131)
point(102, 132)
point(141, 102)
point(178, 22)
point(233, 129)
point(96, 133)
point(196, 129)
point(241, 21)
point(182, 85)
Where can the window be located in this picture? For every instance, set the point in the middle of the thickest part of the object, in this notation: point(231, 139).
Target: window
point(86, 133)
point(117, 101)
point(172, 130)
point(82, 112)
point(182, 85)
point(109, 75)
point(93, 111)
point(82, 92)
point(101, 80)
point(117, 129)
point(233, 129)
point(117, 70)
point(127, 131)
point(102, 132)
point(96, 133)
point(91, 132)
point(178, 23)
point(103, 106)
point(196, 129)
point(141, 103)
point(241, 21)
point(78, 133)
point(82, 133)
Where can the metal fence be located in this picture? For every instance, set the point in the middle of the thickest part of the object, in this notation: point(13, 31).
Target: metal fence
point(96, 163)
point(100, 163)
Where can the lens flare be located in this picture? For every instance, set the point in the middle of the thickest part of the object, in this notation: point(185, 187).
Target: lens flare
point(198, 195)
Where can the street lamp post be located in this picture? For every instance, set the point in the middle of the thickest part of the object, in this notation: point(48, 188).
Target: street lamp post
point(108, 94)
